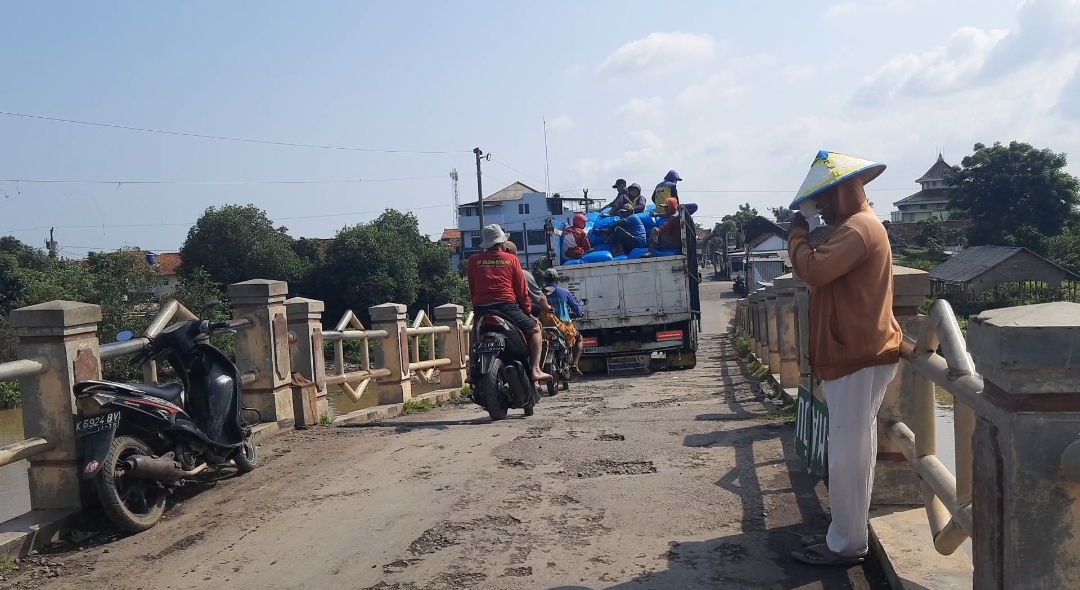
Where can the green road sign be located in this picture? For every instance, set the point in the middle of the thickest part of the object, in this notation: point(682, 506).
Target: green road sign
point(812, 432)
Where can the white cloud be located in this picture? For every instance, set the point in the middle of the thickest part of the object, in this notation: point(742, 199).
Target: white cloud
point(841, 10)
point(561, 123)
point(640, 107)
point(721, 88)
point(658, 52)
point(1047, 30)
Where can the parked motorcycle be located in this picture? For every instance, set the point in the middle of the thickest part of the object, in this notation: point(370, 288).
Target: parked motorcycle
point(499, 367)
point(140, 442)
point(740, 285)
point(555, 359)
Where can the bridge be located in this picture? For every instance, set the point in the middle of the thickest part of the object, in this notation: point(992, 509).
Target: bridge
point(688, 479)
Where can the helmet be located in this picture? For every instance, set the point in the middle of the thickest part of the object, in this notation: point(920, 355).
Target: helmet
point(551, 274)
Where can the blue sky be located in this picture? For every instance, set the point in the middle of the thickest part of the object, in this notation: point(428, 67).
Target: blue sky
point(735, 96)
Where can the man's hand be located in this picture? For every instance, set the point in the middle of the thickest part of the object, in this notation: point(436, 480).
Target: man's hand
point(799, 222)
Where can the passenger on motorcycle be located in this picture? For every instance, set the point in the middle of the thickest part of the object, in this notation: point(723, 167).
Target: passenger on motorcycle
point(497, 283)
point(562, 307)
point(536, 294)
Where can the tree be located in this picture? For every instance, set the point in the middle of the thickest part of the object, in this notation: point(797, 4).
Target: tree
point(236, 243)
point(365, 267)
point(1064, 249)
point(734, 224)
point(782, 213)
point(1015, 195)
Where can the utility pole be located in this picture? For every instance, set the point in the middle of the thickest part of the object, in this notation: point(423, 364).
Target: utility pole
point(479, 183)
point(454, 177)
point(51, 246)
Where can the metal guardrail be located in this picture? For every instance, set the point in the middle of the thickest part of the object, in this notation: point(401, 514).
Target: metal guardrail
point(350, 328)
point(947, 498)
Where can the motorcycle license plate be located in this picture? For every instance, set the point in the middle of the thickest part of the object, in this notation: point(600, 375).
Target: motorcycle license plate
point(97, 424)
point(481, 347)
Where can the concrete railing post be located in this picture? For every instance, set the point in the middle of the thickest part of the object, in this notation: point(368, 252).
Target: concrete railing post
point(751, 322)
point(1027, 447)
point(64, 335)
point(306, 344)
point(787, 332)
point(773, 359)
point(263, 347)
point(452, 344)
point(896, 482)
point(802, 332)
point(392, 353)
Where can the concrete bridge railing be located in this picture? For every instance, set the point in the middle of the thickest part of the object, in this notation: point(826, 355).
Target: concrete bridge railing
point(280, 348)
point(1016, 401)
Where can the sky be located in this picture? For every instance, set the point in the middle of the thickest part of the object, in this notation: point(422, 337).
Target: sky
point(735, 96)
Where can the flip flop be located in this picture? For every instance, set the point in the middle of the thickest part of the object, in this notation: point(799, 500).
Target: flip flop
point(822, 555)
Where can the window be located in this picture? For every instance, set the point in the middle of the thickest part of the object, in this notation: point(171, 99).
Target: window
point(523, 209)
point(468, 212)
point(476, 242)
point(516, 238)
point(537, 237)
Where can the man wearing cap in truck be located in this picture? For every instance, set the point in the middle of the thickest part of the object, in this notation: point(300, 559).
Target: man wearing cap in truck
point(632, 197)
point(854, 338)
point(497, 283)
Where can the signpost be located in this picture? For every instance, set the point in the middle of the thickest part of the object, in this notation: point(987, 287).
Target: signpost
point(812, 432)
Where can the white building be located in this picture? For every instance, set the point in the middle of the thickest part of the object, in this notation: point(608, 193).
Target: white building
point(523, 213)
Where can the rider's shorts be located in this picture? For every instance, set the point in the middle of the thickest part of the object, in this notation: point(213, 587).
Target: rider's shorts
point(569, 332)
point(513, 311)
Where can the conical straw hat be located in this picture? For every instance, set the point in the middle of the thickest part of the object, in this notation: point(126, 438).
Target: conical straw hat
point(830, 169)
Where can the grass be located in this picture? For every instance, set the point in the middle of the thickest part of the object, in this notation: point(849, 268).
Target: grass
point(7, 566)
point(327, 419)
point(417, 406)
point(782, 414)
point(760, 372)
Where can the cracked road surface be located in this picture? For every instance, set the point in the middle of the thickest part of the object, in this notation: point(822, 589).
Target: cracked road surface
point(678, 480)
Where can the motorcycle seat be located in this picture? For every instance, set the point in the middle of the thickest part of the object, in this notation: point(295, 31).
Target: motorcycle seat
point(170, 392)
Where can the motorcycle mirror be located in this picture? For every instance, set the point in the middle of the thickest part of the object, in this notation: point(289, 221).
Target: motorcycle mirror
point(125, 336)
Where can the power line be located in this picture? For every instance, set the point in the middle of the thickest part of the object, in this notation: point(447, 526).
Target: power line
point(210, 182)
point(224, 138)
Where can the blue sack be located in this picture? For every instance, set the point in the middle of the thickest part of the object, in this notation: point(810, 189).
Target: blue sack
point(601, 246)
point(604, 223)
point(638, 253)
point(660, 253)
point(648, 221)
point(691, 208)
point(597, 256)
point(592, 216)
point(573, 262)
point(618, 258)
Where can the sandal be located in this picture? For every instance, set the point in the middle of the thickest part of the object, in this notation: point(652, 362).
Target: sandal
point(821, 555)
point(577, 371)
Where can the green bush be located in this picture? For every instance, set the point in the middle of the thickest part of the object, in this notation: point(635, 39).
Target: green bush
point(9, 394)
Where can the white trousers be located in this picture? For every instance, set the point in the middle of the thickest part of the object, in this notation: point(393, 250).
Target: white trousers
point(854, 401)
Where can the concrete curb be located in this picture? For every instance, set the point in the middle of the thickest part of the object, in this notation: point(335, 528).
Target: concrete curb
point(900, 540)
point(385, 412)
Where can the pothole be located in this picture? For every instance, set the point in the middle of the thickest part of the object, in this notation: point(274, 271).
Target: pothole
point(606, 467)
point(610, 436)
point(656, 404)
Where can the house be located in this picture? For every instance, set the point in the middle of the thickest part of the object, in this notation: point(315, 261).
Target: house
point(931, 201)
point(765, 252)
point(523, 213)
point(451, 239)
point(978, 269)
point(168, 265)
point(703, 254)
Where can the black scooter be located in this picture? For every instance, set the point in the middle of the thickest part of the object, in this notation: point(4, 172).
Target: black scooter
point(499, 367)
point(140, 442)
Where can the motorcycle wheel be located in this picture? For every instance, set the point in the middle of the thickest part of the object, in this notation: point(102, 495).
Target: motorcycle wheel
point(497, 404)
point(551, 384)
point(247, 459)
point(132, 504)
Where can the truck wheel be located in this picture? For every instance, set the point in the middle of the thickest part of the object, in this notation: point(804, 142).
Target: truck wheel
point(133, 504)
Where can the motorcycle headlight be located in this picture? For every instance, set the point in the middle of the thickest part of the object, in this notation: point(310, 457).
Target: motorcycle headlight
point(93, 405)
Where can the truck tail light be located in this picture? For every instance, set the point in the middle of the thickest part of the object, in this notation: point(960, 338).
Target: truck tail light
point(589, 341)
point(670, 335)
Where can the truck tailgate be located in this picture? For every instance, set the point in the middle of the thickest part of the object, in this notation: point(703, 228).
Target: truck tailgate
point(630, 292)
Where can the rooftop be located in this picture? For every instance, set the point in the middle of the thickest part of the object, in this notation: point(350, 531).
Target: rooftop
point(937, 171)
point(930, 195)
point(976, 260)
point(512, 192)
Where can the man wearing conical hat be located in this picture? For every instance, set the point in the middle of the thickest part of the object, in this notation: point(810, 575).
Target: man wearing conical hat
point(854, 338)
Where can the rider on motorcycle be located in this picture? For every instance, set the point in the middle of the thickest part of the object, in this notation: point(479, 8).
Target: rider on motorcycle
point(497, 283)
point(562, 307)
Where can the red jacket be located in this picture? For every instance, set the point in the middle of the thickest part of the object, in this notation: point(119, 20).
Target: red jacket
point(496, 277)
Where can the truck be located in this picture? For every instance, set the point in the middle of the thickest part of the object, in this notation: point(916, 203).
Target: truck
point(640, 314)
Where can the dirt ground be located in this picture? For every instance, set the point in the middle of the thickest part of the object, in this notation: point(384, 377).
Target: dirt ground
point(677, 480)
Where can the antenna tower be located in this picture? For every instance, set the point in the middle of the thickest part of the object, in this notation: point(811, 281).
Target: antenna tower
point(454, 177)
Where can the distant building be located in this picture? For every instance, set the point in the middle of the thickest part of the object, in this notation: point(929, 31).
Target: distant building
point(522, 212)
point(451, 239)
point(931, 201)
point(979, 269)
point(765, 252)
